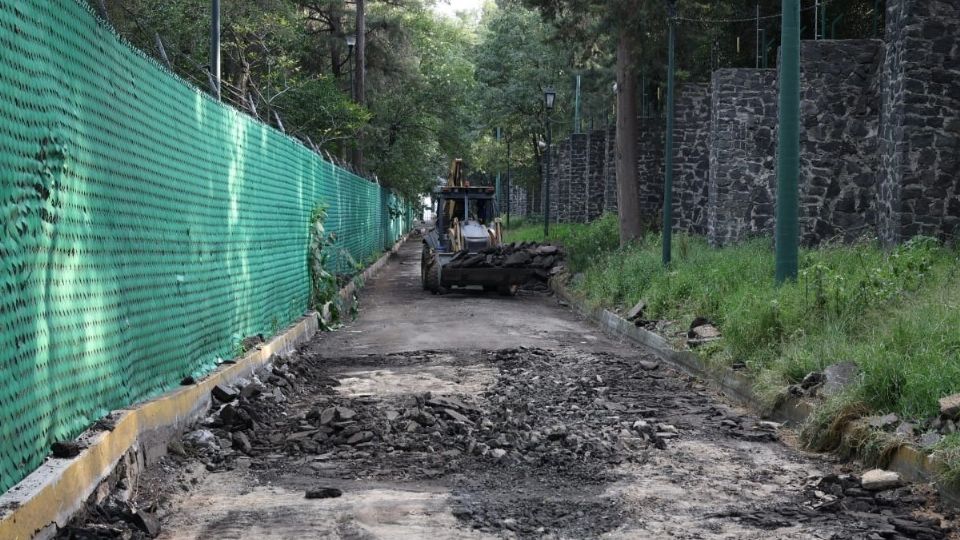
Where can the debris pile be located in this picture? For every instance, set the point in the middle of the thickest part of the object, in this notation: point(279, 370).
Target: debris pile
point(545, 258)
point(878, 505)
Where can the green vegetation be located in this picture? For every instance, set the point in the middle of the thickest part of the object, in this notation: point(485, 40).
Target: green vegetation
point(947, 452)
point(893, 312)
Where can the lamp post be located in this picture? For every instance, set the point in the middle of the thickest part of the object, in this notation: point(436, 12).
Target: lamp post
point(549, 97)
point(215, 48)
point(351, 43)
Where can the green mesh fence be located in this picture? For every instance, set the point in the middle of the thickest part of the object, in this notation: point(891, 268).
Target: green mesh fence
point(145, 227)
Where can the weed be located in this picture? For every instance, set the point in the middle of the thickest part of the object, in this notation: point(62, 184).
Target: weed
point(323, 284)
point(947, 453)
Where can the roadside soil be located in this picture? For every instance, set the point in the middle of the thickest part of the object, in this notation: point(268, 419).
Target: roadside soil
point(478, 416)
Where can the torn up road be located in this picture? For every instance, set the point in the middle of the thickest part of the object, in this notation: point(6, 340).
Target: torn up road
point(479, 416)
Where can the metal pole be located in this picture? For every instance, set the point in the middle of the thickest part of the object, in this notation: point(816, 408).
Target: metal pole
point(353, 75)
point(215, 47)
point(816, 21)
point(788, 162)
point(498, 193)
point(668, 168)
point(508, 183)
point(546, 191)
point(576, 108)
point(758, 35)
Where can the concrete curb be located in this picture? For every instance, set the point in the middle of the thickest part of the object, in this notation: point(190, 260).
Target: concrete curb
point(50, 496)
point(912, 463)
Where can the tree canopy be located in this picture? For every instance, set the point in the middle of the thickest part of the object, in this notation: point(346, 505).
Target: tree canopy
point(436, 88)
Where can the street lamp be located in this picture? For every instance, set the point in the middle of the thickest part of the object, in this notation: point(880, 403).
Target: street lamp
point(351, 43)
point(549, 97)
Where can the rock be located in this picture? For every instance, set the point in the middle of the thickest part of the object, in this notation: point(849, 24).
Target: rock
point(879, 480)
point(66, 449)
point(201, 438)
point(704, 332)
point(814, 378)
point(327, 415)
point(392, 415)
point(251, 391)
point(447, 403)
point(950, 406)
point(547, 250)
point(323, 493)
point(242, 443)
point(498, 453)
point(636, 311)
point(519, 258)
point(344, 413)
point(929, 439)
point(883, 422)
point(906, 429)
point(224, 394)
point(647, 365)
point(360, 437)
point(838, 377)
point(457, 416)
point(146, 522)
point(767, 425)
point(176, 448)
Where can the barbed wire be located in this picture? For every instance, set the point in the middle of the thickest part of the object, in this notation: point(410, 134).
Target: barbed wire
point(754, 18)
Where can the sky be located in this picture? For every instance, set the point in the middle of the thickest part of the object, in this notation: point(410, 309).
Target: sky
point(450, 7)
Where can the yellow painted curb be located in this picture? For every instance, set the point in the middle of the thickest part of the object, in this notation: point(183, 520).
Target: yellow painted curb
point(50, 496)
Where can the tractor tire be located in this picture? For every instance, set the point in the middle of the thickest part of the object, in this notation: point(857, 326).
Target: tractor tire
point(424, 258)
point(507, 290)
point(431, 275)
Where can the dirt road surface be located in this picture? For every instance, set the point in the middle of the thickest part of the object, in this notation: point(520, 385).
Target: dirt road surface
point(481, 416)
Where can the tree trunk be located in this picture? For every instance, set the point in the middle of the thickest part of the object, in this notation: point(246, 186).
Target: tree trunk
point(628, 197)
point(361, 60)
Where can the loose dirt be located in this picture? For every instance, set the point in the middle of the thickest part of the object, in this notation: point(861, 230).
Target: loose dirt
point(496, 418)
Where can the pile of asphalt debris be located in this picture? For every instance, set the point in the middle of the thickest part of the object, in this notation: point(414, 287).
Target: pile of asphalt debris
point(545, 258)
point(504, 425)
point(560, 421)
point(868, 511)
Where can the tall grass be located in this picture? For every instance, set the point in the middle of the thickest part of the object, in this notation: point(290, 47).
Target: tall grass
point(893, 312)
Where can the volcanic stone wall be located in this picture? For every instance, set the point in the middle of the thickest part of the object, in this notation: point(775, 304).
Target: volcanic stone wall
point(879, 142)
point(650, 154)
point(691, 160)
point(595, 181)
point(840, 117)
point(610, 170)
point(518, 201)
point(919, 168)
point(742, 149)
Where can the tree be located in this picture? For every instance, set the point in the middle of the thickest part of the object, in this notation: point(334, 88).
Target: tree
point(591, 27)
point(517, 57)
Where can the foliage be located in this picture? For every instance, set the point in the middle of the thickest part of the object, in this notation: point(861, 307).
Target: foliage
point(947, 453)
point(324, 287)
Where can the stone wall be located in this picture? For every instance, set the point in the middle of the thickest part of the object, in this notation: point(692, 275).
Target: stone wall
point(879, 142)
point(919, 170)
point(742, 149)
point(840, 116)
point(518, 201)
point(610, 170)
point(595, 176)
point(650, 148)
point(691, 160)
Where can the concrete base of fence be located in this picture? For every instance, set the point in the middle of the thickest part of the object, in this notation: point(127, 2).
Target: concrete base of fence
point(51, 495)
point(913, 464)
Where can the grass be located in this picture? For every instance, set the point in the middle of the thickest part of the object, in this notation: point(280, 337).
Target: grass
point(947, 451)
point(893, 312)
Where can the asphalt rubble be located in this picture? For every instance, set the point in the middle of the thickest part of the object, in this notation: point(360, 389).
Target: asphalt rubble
point(553, 422)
